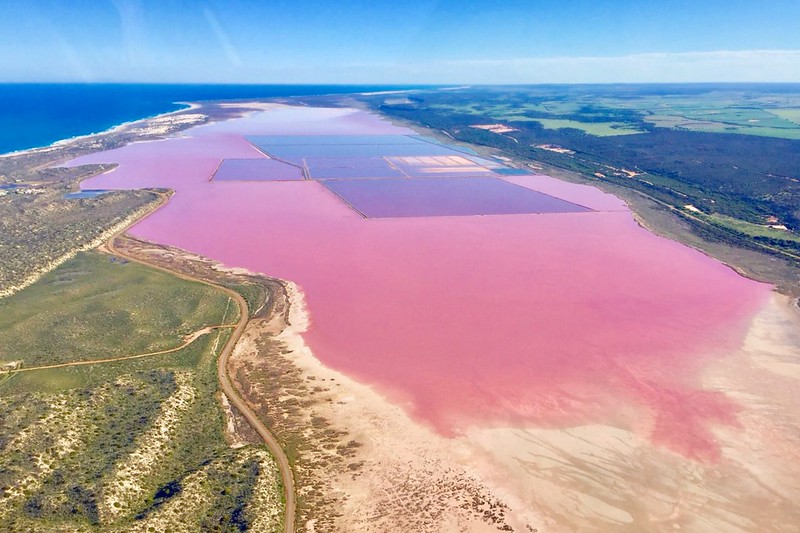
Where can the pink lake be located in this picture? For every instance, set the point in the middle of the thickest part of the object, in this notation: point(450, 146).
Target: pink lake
point(552, 320)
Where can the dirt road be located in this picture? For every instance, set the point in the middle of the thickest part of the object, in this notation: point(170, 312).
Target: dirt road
point(285, 468)
point(189, 340)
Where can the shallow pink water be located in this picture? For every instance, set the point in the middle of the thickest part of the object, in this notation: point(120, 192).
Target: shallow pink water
point(553, 320)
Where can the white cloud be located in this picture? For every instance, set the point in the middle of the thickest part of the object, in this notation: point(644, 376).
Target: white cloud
point(685, 67)
point(222, 38)
point(717, 66)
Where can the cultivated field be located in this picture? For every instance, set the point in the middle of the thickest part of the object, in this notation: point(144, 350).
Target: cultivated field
point(599, 129)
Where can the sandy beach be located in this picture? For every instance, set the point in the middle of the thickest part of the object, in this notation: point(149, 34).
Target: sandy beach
point(584, 478)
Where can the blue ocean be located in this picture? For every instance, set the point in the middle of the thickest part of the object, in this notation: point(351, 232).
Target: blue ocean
point(34, 115)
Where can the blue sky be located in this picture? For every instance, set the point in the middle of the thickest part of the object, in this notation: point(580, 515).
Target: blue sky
point(402, 41)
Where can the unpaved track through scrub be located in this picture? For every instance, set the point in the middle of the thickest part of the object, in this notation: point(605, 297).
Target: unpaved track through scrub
point(190, 339)
point(269, 439)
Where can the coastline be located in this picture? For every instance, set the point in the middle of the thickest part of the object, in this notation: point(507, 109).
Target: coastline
point(583, 477)
point(117, 128)
point(391, 472)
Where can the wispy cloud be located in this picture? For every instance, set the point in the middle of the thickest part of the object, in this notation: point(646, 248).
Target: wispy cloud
point(683, 67)
point(227, 47)
point(715, 66)
point(132, 31)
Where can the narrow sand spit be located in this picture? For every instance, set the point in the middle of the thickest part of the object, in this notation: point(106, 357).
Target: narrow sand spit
point(250, 105)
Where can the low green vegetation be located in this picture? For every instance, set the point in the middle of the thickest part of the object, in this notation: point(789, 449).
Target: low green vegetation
point(538, 113)
point(764, 127)
point(599, 129)
point(133, 445)
point(86, 310)
point(620, 110)
point(792, 115)
point(254, 295)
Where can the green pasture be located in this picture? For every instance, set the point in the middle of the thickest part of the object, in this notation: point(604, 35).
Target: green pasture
point(96, 306)
point(600, 129)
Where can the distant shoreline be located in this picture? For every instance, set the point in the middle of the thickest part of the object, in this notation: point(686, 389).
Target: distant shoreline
point(35, 116)
point(110, 130)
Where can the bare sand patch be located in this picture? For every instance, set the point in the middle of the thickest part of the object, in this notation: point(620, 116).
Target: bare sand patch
point(603, 478)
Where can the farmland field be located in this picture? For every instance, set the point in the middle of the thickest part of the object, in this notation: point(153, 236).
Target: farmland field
point(792, 115)
point(600, 129)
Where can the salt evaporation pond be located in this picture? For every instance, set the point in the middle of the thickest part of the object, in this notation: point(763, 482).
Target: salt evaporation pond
point(256, 170)
point(559, 319)
point(445, 197)
point(85, 193)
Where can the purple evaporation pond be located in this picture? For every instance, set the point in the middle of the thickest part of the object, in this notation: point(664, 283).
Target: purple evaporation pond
point(448, 166)
point(509, 171)
point(350, 167)
point(586, 195)
point(432, 197)
point(256, 170)
point(305, 140)
point(322, 163)
point(341, 173)
point(485, 162)
point(447, 172)
point(462, 149)
point(353, 150)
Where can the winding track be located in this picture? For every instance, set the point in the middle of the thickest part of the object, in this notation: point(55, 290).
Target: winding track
point(193, 337)
point(269, 439)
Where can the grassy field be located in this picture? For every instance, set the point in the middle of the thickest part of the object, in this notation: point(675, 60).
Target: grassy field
point(764, 126)
point(87, 310)
point(765, 117)
point(754, 230)
point(599, 129)
point(599, 114)
point(135, 445)
point(792, 115)
point(510, 112)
